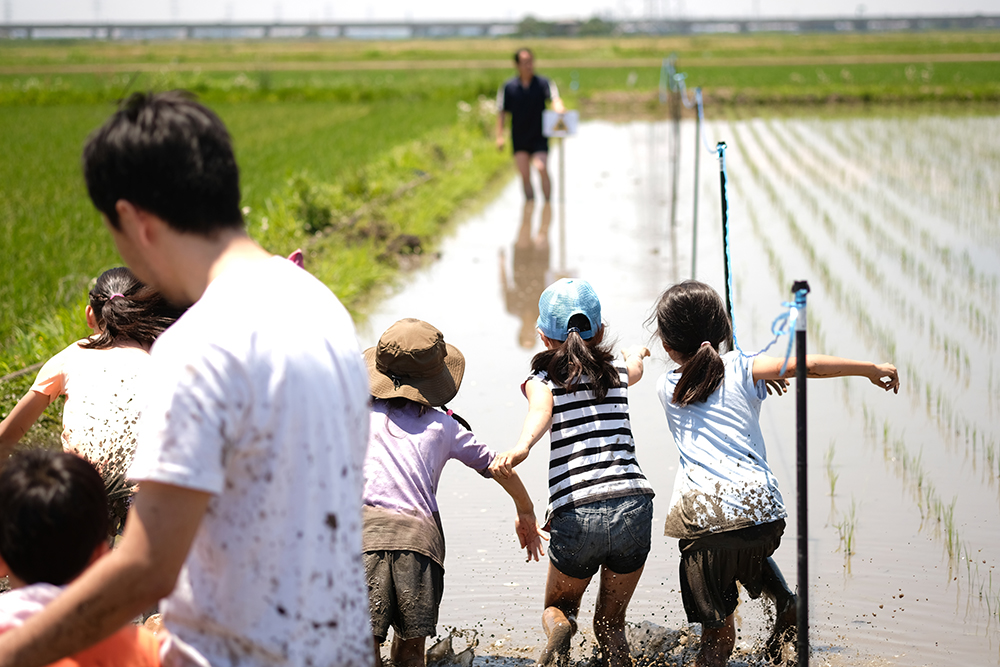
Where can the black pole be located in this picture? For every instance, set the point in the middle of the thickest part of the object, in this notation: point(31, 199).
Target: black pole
point(800, 289)
point(697, 158)
point(721, 147)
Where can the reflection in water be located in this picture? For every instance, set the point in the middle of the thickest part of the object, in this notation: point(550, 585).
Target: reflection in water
point(530, 271)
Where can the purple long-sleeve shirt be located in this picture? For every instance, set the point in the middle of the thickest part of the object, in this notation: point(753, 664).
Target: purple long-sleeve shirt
point(407, 452)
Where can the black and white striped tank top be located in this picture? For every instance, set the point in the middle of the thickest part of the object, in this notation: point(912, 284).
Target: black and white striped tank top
point(592, 454)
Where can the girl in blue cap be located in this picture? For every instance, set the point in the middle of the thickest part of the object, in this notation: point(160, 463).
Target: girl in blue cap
point(600, 505)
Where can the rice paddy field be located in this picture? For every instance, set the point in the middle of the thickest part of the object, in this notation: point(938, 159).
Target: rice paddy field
point(868, 166)
point(891, 221)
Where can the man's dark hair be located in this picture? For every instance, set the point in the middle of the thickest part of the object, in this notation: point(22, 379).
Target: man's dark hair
point(517, 55)
point(53, 515)
point(169, 155)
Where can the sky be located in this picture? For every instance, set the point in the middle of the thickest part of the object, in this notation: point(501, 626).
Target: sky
point(81, 11)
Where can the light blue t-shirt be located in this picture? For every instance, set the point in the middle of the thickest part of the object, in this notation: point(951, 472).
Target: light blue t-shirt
point(723, 482)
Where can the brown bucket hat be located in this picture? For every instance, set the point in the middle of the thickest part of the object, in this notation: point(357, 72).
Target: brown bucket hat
point(412, 361)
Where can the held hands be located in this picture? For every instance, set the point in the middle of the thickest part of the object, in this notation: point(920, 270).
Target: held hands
point(530, 535)
point(504, 462)
point(885, 376)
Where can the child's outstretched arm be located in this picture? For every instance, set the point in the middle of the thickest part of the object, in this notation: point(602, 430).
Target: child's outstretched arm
point(822, 366)
point(529, 534)
point(21, 418)
point(633, 357)
point(536, 424)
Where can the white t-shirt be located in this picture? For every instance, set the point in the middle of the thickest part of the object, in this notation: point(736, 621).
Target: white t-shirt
point(723, 481)
point(101, 406)
point(260, 397)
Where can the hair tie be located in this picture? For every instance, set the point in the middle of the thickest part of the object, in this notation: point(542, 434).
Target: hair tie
point(704, 343)
point(572, 329)
point(111, 298)
point(449, 412)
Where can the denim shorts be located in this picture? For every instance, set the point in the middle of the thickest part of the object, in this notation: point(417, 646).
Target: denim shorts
point(615, 533)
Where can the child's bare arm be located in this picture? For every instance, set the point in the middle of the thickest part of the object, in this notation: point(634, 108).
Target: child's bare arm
point(529, 534)
point(21, 418)
point(633, 357)
point(536, 424)
point(822, 366)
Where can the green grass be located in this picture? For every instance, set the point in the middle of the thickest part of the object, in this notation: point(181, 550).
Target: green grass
point(52, 241)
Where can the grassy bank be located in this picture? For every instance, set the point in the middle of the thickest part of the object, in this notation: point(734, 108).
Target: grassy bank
point(364, 190)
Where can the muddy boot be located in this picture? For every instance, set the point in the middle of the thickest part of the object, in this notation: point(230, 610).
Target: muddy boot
point(556, 652)
point(785, 612)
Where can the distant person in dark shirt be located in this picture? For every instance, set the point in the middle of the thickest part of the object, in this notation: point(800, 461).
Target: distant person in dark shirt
point(524, 96)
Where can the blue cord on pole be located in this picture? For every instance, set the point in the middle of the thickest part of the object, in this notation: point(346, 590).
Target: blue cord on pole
point(698, 102)
point(784, 324)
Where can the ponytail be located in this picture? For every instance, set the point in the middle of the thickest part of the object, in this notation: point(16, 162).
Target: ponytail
point(454, 415)
point(567, 364)
point(127, 309)
point(692, 321)
point(701, 376)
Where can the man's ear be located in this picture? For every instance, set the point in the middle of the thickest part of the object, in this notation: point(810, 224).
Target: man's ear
point(136, 223)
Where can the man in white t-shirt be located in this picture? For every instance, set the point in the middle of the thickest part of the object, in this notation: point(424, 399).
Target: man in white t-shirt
point(252, 439)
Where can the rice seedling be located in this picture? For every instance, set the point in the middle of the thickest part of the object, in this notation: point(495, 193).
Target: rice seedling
point(831, 474)
point(846, 529)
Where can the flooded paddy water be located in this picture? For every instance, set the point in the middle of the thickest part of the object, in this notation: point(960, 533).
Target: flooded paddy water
point(894, 223)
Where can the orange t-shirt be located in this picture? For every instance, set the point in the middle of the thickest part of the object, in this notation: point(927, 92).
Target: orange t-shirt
point(132, 646)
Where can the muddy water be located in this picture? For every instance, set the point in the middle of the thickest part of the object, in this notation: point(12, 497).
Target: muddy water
point(893, 224)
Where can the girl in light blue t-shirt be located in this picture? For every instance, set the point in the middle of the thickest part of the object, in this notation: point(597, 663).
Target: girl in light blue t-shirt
point(726, 509)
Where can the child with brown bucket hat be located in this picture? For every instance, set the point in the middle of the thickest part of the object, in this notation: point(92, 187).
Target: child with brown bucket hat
point(413, 371)
point(600, 505)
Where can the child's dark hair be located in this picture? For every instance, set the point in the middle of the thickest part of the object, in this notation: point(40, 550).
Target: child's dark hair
point(53, 515)
point(398, 403)
point(567, 364)
point(688, 315)
point(169, 155)
point(125, 308)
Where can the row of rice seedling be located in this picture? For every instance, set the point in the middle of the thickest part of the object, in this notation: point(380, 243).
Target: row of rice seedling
point(956, 187)
point(964, 305)
point(940, 408)
point(850, 182)
point(943, 406)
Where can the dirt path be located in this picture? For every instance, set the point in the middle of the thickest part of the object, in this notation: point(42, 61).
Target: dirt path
point(582, 63)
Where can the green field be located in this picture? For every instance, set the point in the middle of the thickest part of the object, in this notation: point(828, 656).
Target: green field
point(332, 135)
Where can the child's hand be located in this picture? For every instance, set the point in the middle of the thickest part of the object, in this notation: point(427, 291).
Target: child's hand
point(530, 535)
point(778, 386)
point(640, 351)
point(503, 464)
point(885, 376)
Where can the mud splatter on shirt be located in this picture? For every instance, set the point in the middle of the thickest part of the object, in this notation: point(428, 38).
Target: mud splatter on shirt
point(270, 416)
point(723, 482)
point(102, 389)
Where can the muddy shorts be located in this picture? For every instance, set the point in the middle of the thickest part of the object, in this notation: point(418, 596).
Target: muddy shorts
point(615, 533)
point(711, 566)
point(404, 591)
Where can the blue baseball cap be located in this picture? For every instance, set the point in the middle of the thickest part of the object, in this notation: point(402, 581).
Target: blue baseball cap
point(561, 301)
